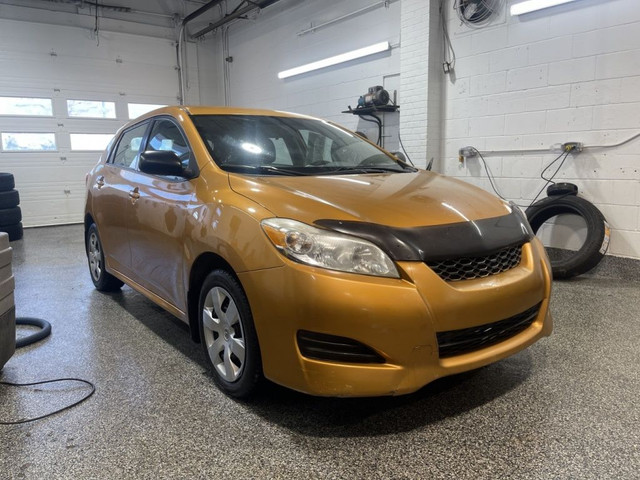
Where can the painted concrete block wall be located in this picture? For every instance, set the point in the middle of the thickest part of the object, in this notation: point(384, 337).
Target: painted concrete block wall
point(262, 47)
point(568, 73)
point(62, 62)
point(421, 81)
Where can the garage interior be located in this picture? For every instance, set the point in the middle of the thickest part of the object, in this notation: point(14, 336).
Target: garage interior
point(491, 101)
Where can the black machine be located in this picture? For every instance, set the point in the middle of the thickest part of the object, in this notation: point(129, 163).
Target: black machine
point(376, 96)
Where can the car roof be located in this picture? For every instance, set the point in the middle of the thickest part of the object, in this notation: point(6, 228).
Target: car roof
point(216, 110)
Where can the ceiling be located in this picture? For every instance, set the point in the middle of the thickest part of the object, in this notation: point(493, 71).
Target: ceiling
point(160, 18)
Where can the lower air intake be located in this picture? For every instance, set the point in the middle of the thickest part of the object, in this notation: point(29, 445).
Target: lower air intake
point(321, 346)
point(458, 342)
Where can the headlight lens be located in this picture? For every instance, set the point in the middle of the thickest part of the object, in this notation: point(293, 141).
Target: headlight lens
point(325, 249)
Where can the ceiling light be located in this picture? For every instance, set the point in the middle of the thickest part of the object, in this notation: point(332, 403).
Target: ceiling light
point(344, 57)
point(533, 5)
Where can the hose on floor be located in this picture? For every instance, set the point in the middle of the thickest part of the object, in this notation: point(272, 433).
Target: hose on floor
point(44, 332)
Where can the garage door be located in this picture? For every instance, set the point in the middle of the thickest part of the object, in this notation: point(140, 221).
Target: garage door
point(62, 97)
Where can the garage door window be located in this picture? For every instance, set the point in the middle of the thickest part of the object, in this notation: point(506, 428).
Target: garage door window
point(91, 109)
point(40, 107)
point(129, 146)
point(137, 109)
point(28, 142)
point(90, 141)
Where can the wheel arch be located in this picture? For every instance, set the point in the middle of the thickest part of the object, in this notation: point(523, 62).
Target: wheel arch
point(88, 221)
point(201, 267)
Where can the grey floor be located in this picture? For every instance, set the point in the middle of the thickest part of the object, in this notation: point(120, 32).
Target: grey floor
point(565, 408)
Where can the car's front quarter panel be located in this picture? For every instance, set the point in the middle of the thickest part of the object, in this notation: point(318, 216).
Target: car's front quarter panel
point(227, 224)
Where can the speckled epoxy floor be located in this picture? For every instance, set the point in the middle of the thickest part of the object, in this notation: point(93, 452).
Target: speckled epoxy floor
point(565, 408)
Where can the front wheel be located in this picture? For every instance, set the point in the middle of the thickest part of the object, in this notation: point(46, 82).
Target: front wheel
point(228, 335)
point(103, 281)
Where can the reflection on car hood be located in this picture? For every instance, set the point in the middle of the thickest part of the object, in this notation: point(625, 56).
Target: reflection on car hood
point(398, 200)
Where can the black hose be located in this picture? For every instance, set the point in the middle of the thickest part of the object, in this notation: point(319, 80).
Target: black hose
point(37, 336)
point(45, 331)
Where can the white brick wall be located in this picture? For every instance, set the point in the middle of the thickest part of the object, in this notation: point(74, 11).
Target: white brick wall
point(414, 79)
point(565, 74)
point(270, 43)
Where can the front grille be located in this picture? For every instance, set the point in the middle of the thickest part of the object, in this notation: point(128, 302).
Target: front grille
point(457, 342)
point(467, 268)
point(321, 346)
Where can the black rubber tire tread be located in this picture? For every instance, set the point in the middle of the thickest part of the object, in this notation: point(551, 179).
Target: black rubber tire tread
point(9, 199)
point(562, 188)
point(251, 378)
point(7, 182)
point(106, 282)
point(9, 216)
point(589, 254)
point(14, 230)
point(44, 332)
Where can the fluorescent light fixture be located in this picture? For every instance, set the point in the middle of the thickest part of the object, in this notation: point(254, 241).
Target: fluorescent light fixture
point(533, 5)
point(343, 57)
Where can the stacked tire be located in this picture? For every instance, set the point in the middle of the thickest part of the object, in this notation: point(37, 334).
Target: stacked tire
point(10, 213)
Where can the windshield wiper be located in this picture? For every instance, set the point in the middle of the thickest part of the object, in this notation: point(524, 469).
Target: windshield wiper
point(364, 169)
point(265, 169)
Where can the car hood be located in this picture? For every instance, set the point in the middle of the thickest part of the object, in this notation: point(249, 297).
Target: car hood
point(397, 200)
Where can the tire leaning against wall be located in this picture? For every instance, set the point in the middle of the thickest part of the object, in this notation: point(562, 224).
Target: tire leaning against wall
point(7, 182)
point(14, 231)
point(9, 199)
point(10, 213)
point(9, 216)
point(596, 243)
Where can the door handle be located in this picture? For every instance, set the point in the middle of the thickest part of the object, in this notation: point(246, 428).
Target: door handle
point(100, 181)
point(134, 194)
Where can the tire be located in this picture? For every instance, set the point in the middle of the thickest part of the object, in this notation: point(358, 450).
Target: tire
point(103, 280)
point(596, 243)
point(228, 335)
point(562, 188)
point(14, 230)
point(7, 182)
point(9, 216)
point(9, 199)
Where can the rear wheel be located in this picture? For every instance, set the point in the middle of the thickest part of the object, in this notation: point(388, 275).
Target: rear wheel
point(228, 335)
point(103, 281)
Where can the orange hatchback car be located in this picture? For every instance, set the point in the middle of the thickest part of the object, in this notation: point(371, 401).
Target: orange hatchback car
point(297, 251)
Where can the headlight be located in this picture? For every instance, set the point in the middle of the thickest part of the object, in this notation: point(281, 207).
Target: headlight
point(326, 249)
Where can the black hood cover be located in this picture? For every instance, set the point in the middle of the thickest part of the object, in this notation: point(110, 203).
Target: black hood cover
point(439, 242)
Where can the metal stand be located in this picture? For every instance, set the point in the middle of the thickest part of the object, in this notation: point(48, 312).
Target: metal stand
point(373, 112)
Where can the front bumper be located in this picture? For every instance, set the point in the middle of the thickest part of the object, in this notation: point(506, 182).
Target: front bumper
point(398, 318)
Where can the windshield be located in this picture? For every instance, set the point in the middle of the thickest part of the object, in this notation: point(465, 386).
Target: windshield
point(264, 145)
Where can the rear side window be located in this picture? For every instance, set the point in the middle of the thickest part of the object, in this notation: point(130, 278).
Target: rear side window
point(129, 146)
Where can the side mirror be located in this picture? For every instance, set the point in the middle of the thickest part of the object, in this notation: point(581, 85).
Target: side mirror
point(161, 162)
